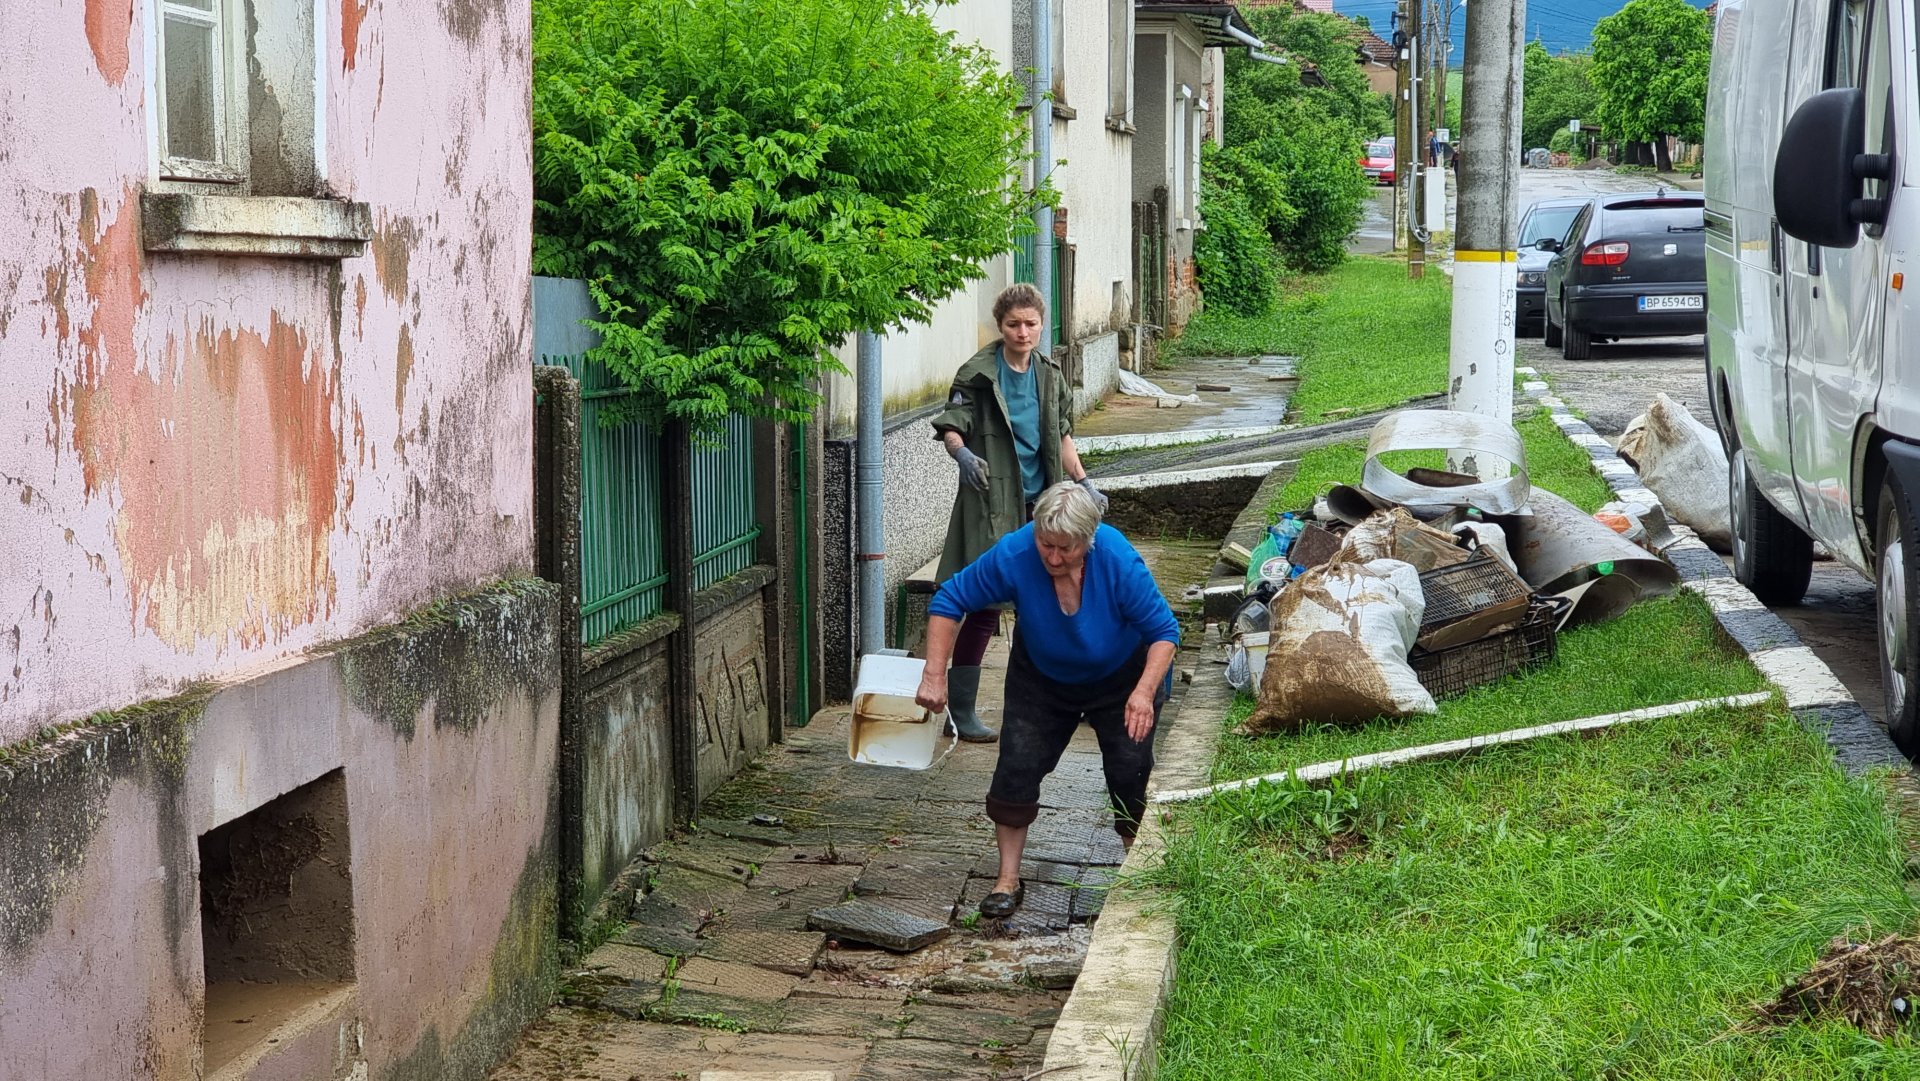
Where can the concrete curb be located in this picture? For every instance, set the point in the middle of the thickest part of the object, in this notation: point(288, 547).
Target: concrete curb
point(1181, 477)
point(1184, 437)
point(1110, 1027)
point(1814, 694)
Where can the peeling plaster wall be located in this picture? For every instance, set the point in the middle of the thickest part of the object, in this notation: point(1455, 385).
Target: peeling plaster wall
point(452, 810)
point(213, 463)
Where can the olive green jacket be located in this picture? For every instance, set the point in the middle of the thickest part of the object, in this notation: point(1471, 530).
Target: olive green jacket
point(978, 411)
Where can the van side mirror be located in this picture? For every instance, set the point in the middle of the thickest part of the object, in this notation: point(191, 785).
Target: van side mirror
point(1547, 243)
point(1820, 168)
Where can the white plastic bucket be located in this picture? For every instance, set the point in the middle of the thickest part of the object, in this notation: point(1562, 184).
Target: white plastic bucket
point(1255, 643)
point(889, 728)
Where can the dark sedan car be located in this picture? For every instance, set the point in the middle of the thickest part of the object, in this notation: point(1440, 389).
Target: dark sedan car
point(1545, 220)
point(1630, 266)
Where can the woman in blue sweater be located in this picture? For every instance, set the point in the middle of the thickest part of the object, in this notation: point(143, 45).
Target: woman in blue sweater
point(1093, 641)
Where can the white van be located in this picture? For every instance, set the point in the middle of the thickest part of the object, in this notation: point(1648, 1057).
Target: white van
point(1813, 365)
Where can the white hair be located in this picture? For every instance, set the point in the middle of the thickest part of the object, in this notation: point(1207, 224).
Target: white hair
point(1066, 510)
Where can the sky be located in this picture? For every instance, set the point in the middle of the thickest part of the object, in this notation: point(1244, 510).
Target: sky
point(1559, 24)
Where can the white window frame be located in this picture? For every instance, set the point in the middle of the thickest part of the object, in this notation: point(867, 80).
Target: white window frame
point(229, 172)
point(1120, 32)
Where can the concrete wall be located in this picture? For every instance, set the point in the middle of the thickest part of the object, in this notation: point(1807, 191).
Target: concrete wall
point(444, 732)
point(626, 720)
point(216, 462)
point(220, 460)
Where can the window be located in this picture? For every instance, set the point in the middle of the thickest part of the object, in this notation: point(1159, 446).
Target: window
point(1120, 63)
point(1058, 9)
point(236, 110)
point(214, 62)
point(195, 140)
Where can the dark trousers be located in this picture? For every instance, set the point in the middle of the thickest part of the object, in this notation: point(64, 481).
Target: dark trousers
point(976, 631)
point(1039, 718)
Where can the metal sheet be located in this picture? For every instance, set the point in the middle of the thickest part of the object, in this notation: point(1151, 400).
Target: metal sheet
point(1439, 429)
point(1560, 547)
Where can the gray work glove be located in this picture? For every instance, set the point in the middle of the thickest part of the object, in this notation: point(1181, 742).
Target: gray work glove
point(973, 469)
point(1100, 499)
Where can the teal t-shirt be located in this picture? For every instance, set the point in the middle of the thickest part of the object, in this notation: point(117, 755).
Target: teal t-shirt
point(1021, 390)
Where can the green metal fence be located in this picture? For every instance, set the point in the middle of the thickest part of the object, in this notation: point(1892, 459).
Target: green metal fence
point(623, 565)
point(725, 532)
point(1023, 272)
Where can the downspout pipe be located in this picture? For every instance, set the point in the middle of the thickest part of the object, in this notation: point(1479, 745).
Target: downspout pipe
point(869, 492)
point(1043, 163)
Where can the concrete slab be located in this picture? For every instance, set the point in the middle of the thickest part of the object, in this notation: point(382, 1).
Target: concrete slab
point(878, 924)
point(733, 980)
point(1253, 402)
point(790, 952)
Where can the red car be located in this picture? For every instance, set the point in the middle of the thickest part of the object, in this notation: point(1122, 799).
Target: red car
point(1377, 162)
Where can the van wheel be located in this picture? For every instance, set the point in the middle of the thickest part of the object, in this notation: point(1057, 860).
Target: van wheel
point(1549, 331)
point(1575, 344)
point(1771, 556)
point(1895, 598)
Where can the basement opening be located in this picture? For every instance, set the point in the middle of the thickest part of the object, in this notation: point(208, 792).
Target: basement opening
point(276, 919)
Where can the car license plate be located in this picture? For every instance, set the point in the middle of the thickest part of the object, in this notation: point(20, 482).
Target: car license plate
point(1690, 302)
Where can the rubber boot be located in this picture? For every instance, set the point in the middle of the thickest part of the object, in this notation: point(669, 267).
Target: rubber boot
point(963, 690)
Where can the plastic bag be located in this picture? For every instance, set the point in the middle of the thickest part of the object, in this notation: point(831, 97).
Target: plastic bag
point(1338, 648)
point(1267, 562)
point(1682, 461)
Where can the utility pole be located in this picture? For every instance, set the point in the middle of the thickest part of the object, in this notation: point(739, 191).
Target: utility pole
point(1406, 152)
point(1480, 363)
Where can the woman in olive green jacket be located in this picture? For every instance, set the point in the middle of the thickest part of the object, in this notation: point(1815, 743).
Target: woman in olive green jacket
point(1009, 427)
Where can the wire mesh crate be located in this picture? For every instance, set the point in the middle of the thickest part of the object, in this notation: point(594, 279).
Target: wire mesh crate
point(1447, 672)
point(1468, 588)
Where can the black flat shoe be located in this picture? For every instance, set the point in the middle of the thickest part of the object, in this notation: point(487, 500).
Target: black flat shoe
point(997, 905)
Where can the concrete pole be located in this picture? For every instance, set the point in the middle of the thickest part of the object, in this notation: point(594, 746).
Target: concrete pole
point(1043, 162)
point(870, 489)
point(1480, 366)
point(1406, 151)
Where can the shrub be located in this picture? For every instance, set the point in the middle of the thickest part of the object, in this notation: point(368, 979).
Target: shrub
point(745, 183)
point(1238, 265)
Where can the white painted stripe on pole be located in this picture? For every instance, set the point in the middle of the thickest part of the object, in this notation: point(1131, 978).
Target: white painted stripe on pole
point(1480, 358)
point(1321, 771)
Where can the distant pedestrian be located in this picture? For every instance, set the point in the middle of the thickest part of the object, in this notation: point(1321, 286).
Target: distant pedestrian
point(1094, 643)
point(1008, 425)
point(1433, 148)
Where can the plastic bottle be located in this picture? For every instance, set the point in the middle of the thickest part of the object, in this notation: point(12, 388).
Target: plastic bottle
point(1285, 530)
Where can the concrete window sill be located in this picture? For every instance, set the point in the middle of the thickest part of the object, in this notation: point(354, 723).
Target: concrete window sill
point(282, 226)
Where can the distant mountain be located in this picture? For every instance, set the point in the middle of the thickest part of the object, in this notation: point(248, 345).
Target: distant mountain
point(1558, 24)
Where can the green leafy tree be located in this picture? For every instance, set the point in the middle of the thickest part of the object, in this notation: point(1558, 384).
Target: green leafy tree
point(1290, 161)
point(1650, 69)
point(1555, 90)
point(746, 183)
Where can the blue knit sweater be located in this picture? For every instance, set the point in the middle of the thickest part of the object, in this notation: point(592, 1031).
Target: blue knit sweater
point(1120, 605)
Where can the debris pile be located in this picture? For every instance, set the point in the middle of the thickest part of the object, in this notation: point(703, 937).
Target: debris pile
point(1410, 587)
point(1872, 985)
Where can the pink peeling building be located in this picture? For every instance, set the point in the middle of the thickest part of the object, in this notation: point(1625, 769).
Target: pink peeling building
point(277, 729)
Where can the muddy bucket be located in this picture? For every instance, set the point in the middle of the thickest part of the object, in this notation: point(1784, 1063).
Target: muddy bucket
point(889, 728)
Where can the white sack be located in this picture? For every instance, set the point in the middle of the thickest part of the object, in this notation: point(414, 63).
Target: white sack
point(1338, 648)
point(1682, 461)
point(1135, 387)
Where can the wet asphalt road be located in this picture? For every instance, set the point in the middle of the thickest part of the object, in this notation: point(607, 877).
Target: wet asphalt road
point(1837, 617)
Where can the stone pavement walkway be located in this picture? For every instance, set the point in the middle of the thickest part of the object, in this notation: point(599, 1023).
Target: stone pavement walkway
point(718, 966)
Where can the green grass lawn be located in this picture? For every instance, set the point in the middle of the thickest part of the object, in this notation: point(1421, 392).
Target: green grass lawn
point(1351, 357)
point(1609, 907)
